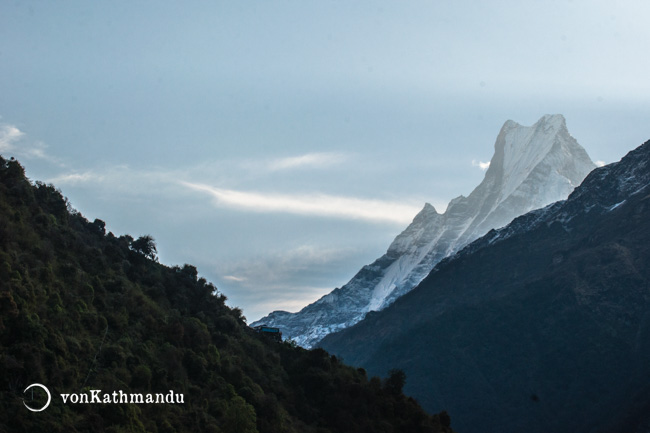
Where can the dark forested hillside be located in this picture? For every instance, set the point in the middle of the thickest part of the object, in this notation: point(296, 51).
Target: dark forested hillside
point(82, 309)
point(542, 326)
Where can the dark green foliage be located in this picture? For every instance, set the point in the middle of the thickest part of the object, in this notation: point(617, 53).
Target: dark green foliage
point(144, 245)
point(81, 309)
point(395, 381)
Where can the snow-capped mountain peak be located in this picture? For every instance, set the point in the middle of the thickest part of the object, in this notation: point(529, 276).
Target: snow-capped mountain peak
point(519, 149)
point(532, 167)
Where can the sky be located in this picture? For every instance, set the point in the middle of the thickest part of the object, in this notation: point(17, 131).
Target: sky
point(279, 146)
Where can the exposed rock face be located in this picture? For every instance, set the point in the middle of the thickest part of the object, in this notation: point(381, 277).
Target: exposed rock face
point(531, 167)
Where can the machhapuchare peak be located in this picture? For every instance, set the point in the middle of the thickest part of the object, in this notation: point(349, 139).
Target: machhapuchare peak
point(532, 166)
point(540, 326)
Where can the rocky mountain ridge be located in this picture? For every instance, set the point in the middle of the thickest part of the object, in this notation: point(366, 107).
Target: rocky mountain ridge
point(531, 167)
point(545, 323)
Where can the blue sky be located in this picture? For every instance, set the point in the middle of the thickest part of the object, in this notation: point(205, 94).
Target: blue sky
point(279, 146)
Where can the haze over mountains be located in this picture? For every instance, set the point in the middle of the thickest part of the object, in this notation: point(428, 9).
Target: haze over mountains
point(541, 326)
point(532, 166)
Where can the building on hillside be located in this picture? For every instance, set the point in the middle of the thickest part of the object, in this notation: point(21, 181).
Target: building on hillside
point(273, 333)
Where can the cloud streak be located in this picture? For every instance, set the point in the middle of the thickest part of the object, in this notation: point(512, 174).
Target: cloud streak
point(12, 141)
point(76, 178)
point(234, 278)
point(314, 204)
point(309, 160)
point(284, 279)
point(9, 135)
point(480, 164)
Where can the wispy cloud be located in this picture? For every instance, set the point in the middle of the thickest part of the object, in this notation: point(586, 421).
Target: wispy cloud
point(283, 279)
point(213, 171)
point(311, 204)
point(76, 178)
point(122, 179)
point(9, 135)
point(287, 300)
point(600, 163)
point(480, 164)
point(309, 160)
point(12, 141)
point(267, 272)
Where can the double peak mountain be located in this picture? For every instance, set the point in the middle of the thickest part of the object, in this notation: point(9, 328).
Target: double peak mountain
point(532, 166)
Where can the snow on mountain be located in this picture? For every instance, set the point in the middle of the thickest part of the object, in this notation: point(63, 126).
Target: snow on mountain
point(532, 166)
point(539, 326)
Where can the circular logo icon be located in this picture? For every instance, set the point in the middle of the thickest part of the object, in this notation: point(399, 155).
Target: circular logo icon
point(47, 391)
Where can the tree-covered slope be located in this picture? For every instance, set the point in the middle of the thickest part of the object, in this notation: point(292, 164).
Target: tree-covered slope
point(82, 310)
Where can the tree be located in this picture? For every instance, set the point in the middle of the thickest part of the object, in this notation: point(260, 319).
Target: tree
point(146, 246)
point(99, 226)
point(395, 381)
point(240, 417)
